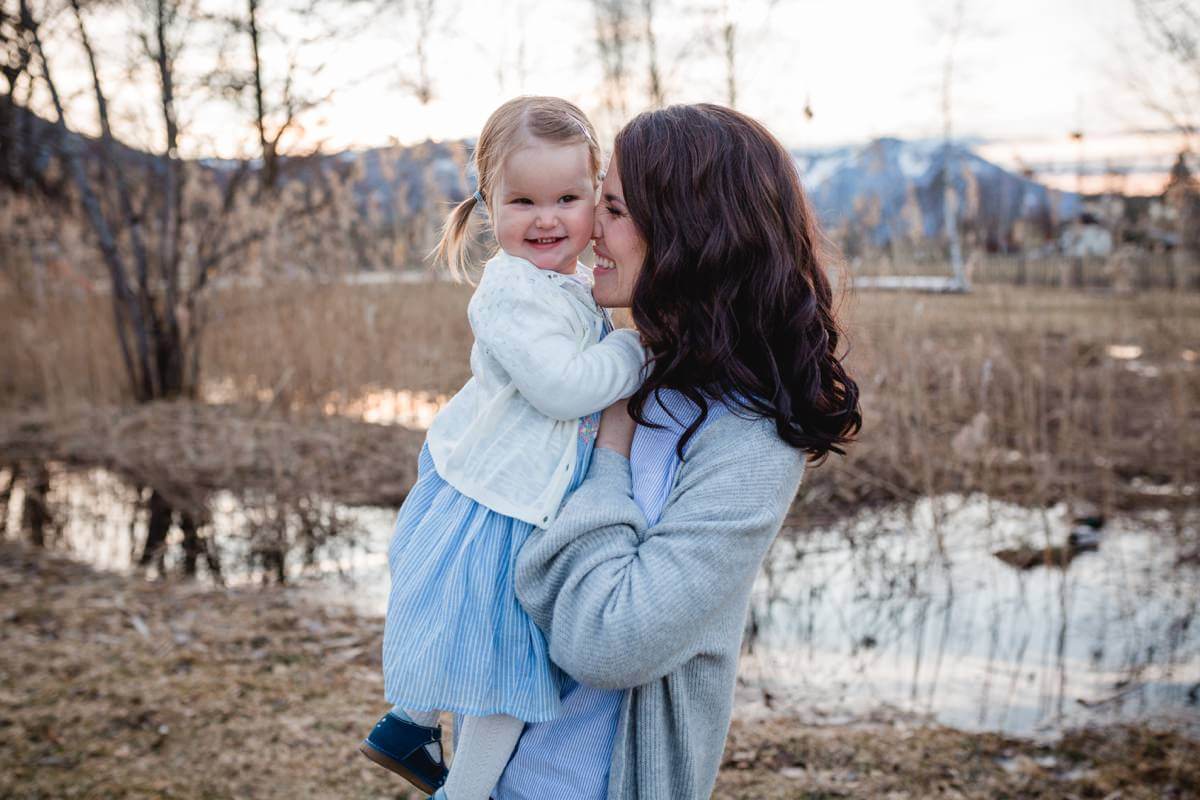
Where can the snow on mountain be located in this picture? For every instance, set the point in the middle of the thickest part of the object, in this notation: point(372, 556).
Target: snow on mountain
point(893, 189)
point(887, 190)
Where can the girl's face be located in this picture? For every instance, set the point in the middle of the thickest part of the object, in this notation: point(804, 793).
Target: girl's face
point(619, 247)
point(543, 206)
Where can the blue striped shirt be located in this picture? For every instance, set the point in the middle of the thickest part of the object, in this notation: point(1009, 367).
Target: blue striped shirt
point(569, 756)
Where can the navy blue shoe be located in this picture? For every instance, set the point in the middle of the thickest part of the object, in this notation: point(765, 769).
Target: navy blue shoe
point(399, 745)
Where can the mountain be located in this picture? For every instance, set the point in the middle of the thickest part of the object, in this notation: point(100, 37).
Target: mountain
point(893, 190)
point(889, 189)
point(29, 146)
point(422, 177)
point(886, 191)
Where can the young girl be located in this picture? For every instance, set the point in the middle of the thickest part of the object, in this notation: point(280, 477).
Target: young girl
point(499, 458)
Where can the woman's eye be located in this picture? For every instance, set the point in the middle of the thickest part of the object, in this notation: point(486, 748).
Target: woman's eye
point(613, 210)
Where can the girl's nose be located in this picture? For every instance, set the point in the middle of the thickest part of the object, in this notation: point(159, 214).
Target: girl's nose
point(545, 219)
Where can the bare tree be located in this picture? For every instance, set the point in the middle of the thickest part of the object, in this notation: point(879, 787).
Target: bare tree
point(15, 139)
point(622, 28)
point(952, 30)
point(615, 38)
point(1183, 196)
point(655, 86)
point(420, 84)
point(276, 105)
point(290, 105)
point(1171, 31)
point(137, 207)
point(727, 33)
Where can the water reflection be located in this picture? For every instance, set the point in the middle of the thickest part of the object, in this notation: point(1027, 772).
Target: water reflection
point(905, 608)
point(872, 612)
point(381, 406)
point(413, 409)
point(102, 520)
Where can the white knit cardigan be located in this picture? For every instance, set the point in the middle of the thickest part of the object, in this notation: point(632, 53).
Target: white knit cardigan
point(508, 438)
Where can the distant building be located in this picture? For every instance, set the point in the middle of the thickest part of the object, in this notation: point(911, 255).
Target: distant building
point(1182, 198)
point(1086, 237)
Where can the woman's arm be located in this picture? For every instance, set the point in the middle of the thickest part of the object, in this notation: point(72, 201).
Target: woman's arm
point(617, 429)
point(527, 332)
point(622, 605)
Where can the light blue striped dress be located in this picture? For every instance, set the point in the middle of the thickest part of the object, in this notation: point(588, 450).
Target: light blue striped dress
point(569, 756)
point(455, 637)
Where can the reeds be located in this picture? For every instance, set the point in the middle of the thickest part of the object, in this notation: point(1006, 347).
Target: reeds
point(1030, 395)
point(1027, 395)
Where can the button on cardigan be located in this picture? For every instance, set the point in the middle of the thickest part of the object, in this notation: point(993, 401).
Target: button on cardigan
point(507, 439)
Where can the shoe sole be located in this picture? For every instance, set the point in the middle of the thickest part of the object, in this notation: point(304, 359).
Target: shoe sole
point(389, 763)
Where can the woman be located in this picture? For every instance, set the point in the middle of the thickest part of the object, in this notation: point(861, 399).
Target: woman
point(642, 584)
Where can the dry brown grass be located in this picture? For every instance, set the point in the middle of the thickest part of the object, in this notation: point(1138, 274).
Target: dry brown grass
point(118, 688)
point(786, 760)
point(1025, 380)
point(1009, 391)
point(298, 344)
point(187, 451)
point(307, 344)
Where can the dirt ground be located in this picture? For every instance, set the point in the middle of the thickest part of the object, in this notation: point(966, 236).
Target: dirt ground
point(115, 687)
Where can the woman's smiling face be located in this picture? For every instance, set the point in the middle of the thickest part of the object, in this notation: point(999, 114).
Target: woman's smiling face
point(619, 247)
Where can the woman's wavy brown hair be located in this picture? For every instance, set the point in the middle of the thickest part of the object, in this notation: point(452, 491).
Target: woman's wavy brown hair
point(732, 300)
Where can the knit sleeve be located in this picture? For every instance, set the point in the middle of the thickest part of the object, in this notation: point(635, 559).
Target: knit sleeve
point(622, 604)
point(518, 321)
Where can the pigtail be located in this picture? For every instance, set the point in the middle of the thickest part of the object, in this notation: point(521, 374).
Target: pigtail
point(456, 235)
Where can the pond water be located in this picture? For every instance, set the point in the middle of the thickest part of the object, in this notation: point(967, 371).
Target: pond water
point(874, 612)
point(904, 609)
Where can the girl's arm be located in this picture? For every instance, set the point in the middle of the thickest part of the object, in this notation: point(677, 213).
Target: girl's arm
point(623, 605)
point(523, 327)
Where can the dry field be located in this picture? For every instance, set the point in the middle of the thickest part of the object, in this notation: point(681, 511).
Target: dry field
point(111, 687)
point(1031, 395)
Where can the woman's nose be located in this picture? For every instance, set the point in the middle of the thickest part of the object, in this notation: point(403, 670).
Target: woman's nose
point(597, 231)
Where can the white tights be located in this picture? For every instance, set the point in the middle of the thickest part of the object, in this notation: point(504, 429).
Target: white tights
point(481, 751)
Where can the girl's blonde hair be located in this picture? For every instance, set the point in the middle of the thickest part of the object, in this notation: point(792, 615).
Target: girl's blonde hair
point(512, 125)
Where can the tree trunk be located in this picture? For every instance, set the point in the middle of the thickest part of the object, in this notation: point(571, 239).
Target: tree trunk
point(35, 510)
point(197, 545)
point(156, 530)
point(657, 94)
point(268, 176)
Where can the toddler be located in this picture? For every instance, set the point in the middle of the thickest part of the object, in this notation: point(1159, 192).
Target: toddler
point(499, 458)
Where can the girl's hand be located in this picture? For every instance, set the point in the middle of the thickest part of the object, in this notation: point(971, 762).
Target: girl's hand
point(616, 429)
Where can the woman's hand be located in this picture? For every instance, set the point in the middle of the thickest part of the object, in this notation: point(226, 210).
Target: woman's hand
point(616, 428)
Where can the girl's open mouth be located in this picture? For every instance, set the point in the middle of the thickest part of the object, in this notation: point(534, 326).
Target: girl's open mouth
point(544, 243)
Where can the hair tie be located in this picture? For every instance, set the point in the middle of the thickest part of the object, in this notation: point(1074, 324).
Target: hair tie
point(478, 196)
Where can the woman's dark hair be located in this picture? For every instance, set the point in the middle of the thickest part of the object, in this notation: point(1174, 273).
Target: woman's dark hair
point(732, 300)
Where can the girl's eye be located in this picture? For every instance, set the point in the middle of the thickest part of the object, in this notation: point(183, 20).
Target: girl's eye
point(567, 198)
point(523, 201)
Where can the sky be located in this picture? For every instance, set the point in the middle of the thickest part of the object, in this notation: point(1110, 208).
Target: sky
point(1027, 74)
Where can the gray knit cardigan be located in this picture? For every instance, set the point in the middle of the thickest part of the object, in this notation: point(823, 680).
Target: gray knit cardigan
point(661, 610)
